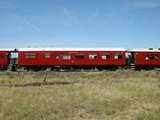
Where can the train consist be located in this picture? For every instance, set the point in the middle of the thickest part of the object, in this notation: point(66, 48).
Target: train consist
point(78, 58)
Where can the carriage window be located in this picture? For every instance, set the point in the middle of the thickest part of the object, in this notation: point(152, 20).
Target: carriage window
point(152, 57)
point(79, 56)
point(118, 56)
point(66, 57)
point(156, 57)
point(105, 56)
point(47, 55)
point(30, 55)
point(56, 56)
point(146, 58)
point(92, 56)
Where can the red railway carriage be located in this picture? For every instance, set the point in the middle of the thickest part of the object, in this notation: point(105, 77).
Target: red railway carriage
point(51, 57)
point(146, 57)
point(4, 57)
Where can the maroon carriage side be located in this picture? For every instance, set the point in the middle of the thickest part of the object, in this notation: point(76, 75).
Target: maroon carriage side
point(71, 57)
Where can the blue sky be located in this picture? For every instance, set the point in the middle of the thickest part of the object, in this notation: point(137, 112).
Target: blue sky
point(80, 23)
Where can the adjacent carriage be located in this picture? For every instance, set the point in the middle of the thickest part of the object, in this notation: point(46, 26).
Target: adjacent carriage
point(5, 58)
point(145, 58)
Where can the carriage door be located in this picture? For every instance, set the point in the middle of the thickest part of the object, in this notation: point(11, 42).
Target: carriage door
point(133, 55)
point(130, 56)
point(13, 58)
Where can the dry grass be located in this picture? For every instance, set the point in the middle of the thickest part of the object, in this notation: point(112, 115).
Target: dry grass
point(111, 95)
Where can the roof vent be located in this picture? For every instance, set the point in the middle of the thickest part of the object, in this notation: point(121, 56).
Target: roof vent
point(150, 48)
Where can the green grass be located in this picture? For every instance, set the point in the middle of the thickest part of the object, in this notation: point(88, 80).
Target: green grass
point(106, 95)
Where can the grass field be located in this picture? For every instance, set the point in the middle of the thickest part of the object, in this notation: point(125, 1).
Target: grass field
point(106, 95)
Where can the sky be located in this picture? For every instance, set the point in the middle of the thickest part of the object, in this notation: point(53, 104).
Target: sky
point(80, 23)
